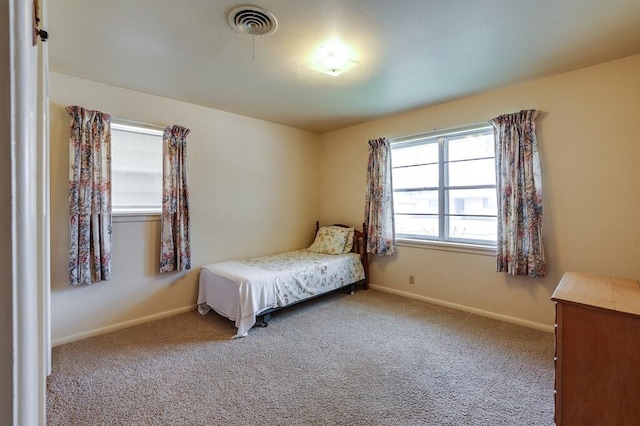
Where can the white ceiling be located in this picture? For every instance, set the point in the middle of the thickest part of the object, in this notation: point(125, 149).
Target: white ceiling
point(411, 53)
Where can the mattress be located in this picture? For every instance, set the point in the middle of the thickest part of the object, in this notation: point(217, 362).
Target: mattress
point(242, 289)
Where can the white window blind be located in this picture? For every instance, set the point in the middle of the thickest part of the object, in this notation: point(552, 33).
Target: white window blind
point(136, 169)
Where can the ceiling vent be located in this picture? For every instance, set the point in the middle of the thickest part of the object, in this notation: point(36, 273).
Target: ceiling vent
point(252, 20)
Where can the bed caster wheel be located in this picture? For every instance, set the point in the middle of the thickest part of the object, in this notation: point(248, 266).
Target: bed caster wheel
point(264, 324)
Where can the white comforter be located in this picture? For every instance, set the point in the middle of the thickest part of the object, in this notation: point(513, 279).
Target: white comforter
point(275, 281)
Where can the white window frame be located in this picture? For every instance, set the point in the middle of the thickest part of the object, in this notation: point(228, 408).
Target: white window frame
point(136, 213)
point(441, 242)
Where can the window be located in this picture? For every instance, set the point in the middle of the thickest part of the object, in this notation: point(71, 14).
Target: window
point(136, 169)
point(444, 187)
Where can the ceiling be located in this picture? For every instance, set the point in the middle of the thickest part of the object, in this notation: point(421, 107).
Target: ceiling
point(410, 53)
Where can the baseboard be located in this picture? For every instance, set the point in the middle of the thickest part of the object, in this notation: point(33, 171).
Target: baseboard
point(488, 314)
point(119, 326)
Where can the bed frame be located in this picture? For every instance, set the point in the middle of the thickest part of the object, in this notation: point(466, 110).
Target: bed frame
point(359, 246)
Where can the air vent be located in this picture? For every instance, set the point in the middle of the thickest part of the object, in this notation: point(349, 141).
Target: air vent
point(252, 20)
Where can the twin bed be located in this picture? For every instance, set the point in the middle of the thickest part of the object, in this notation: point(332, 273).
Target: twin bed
point(248, 291)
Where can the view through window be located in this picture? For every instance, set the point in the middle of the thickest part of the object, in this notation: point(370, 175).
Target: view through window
point(444, 187)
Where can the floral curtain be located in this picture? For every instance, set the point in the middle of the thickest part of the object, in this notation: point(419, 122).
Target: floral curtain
point(175, 244)
point(379, 201)
point(520, 248)
point(89, 196)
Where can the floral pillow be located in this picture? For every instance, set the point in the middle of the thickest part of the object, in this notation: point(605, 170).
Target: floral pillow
point(332, 240)
point(349, 244)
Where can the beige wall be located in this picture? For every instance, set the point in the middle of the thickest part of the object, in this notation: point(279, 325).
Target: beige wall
point(590, 152)
point(254, 190)
point(251, 180)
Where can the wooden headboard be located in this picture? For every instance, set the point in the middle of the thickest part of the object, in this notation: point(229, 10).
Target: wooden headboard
point(359, 246)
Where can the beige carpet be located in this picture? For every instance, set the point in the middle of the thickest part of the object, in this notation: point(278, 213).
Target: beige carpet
point(364, 359)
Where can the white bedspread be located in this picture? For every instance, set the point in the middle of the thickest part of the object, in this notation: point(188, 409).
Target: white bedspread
point(272, 281)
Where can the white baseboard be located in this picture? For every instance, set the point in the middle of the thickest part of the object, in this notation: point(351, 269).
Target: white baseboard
point(119, 326)
point(488, 314)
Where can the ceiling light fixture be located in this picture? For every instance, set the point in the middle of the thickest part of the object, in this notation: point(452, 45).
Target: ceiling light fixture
point(333, 58)
point(334, 64)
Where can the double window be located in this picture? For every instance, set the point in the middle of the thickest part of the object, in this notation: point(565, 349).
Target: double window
point(444, 187)
point(136, 169)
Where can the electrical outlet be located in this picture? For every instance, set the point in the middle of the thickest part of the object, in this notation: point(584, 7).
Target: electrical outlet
point(412, 279)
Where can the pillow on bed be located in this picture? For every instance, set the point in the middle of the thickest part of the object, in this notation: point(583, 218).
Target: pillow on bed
point(348, 246)
point(332, 240)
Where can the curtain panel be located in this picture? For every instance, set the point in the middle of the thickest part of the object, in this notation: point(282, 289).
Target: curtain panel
point(520, 249)
point(379, 200)
point(89, 196)
point(175, 243)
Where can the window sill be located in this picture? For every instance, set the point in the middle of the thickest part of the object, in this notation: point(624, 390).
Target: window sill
point(448, 246)
point(142, 216)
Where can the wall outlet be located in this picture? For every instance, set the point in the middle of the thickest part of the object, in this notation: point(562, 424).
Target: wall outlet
point(412, 279)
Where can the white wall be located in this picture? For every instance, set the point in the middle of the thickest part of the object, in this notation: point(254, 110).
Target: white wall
point(254, 190)
point(590, 149)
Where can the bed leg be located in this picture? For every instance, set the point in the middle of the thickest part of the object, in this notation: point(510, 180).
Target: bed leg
point(352, 288)
point(265, 320)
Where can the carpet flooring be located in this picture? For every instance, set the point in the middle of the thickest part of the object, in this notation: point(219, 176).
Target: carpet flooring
point(369, 358)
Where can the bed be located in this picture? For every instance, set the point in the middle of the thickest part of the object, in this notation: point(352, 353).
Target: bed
point(247, 291)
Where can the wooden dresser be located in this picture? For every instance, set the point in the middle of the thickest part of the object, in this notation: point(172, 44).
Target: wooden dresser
point(597, 350)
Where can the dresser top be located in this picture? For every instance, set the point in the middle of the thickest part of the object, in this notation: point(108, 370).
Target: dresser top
point(615, 294)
